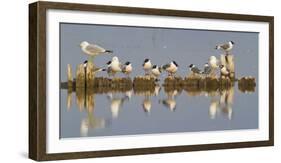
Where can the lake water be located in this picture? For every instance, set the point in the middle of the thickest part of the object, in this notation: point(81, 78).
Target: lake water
point(130, 113)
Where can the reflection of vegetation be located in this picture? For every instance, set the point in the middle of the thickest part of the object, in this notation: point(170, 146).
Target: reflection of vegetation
point(80, 98)
point(85, 98)
point(221, 100)
point(91, 122)
point(69, 98)
point(247, 84)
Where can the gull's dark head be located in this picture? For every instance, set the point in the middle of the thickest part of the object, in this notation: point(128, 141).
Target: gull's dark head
point(127, 63)
point(175, 63)
point(146, 60)
point(154, 66)
point(85, 63)
point(232, 42)
point(191, 65)
point(108, 63)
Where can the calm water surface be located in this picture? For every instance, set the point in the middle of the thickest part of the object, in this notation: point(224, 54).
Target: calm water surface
point(130, 113)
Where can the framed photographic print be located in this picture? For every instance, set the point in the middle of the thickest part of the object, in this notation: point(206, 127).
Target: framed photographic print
point(111, 81)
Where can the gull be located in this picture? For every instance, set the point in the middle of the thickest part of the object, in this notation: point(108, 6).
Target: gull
point(171, 68)
point(194, 69)
point(156, 71)
point(213, 62)
point(224, 71)
point(147, 65)
point(127, 68)
point(227, 47)
point(93, 50)
point(207, 69)
point(108, 69)
point(115, 65)
point(85, 64)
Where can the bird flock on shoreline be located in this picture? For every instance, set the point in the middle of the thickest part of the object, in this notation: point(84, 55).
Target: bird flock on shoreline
point(114, 66)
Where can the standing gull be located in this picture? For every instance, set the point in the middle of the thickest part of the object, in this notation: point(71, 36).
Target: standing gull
point(171, 68)
point(147, 65)
point(194, 69)
point(85, 63)
point(108, 69)
point(96, 69)
point(227, 47)
point(207, 69)
point(93, 50)
point(224, 71)
point(213, 62)
point(127, 68)
point(156, 71)
point(115, 65)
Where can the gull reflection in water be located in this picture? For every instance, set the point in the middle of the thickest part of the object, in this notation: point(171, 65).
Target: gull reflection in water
point(222, 102)
point(170, 101)
point(146, 104)
point(213, 107)
point(214, 104)
point(128, 94)
point(147, 93)
point(115, 103)
point(157, 90)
